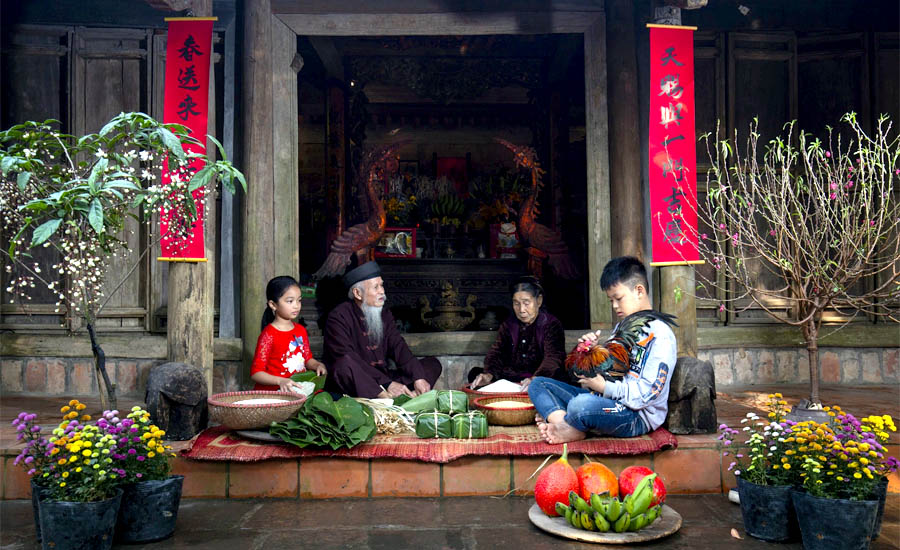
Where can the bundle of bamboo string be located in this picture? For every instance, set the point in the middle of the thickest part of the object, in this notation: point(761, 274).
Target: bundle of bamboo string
point(389, 418)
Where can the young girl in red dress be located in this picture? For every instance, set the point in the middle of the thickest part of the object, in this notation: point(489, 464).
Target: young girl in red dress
point(282, 349)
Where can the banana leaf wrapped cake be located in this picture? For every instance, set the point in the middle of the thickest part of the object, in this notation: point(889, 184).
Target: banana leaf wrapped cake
point(433, 424)
point(469, 425)
point(452, 401)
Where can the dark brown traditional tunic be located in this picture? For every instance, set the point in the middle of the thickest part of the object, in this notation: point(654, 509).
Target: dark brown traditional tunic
point(359, 368)
point(522, 351)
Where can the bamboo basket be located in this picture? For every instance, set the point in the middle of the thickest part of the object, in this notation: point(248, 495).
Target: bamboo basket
point(475, 394)
point(252, 417)
point(518, 416)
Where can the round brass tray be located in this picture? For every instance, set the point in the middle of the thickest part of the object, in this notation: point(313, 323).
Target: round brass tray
point(669, 522)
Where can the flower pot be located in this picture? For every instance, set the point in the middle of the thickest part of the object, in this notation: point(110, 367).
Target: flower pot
point(829, 523)
point(149, 510)
point(38, 493)
point(79, 525)
point(768, 511)
point(880, 495)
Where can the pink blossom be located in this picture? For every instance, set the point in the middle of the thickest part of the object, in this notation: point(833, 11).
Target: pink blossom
point(703, 236)
point(721, 307)
point(828, 154)
point(722, 226)
point(772, 232)
point(872, 223)
point(833, 196)
point(833, 185)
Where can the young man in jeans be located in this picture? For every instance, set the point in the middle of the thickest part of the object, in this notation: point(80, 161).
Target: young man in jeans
point(633, 406)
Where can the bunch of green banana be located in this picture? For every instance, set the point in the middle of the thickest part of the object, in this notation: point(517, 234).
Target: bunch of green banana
point(449, 206)
point(606, 513)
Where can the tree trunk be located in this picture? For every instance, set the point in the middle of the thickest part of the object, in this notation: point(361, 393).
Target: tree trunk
point(107, 389)
point(811, 334)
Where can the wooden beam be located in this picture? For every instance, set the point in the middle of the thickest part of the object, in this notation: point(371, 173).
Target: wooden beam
point(310, 7)
point(122, 346)
point(258, 258)
point(406, 24)
point(597, 142)
point(191, 303)
point(330, 56)
point(626, 205)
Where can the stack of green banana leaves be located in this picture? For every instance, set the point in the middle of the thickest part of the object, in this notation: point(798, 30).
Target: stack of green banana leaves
point(323, 422)
point(443, 414)
point(606, 513)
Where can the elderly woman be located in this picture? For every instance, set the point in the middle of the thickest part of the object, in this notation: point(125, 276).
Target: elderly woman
point(529, 343)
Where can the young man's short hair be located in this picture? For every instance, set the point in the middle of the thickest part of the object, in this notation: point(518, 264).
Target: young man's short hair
point(626, 270)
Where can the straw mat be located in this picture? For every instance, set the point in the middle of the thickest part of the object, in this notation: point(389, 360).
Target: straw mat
point(219, 443)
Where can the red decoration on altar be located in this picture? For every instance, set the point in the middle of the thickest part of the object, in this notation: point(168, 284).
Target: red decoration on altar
point(186, 102)
point(672, 148)
point(454, 169)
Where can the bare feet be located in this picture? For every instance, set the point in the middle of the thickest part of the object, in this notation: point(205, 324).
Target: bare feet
point(538, 418)
point(560, 432)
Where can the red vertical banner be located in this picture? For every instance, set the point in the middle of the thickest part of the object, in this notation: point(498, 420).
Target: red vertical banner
point(186, 102)
point(673, 151)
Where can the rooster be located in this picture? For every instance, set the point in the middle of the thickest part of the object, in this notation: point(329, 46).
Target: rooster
point(546, 240)
point(611, 359)
point(362, 235)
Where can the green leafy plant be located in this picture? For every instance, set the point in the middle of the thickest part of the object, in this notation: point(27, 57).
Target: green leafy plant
point(73, 194)
point(323, 422)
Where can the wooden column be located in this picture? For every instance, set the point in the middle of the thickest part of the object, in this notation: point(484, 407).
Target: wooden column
point(677, 284)
point(258, 258)
point(271, 207)
point(597, 143)
point(678, 297)
point(626, 200)
point(192, 285)
point(335, 161)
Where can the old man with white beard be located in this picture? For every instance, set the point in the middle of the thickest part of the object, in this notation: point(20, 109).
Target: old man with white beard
point(364, 351)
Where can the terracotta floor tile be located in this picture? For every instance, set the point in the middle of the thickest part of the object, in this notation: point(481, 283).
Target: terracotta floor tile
point(16, 483)
point(268, 478)
point(202, 479)
point(477, 476)
point(689, 471)
point(330, 478)
point(402, 478)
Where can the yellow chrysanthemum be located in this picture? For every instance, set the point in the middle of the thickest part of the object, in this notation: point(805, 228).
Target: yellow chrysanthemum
point(65, 475)
point(65, 409)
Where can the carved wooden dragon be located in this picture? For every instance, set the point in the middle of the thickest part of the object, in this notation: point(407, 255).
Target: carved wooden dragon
point(546, 240)
point(360, 236)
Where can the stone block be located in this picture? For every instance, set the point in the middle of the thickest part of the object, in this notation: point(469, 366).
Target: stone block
point(850, 369)
point(765, 367)
point(126, 378)
point(56, 377)
point(743, 367)
point(81, 378)
point(802, 366)
point(11, 375)
point(692, 397)
point(786, 365)
point(891, 365)
point(723, 368)
point(871, 367)
point(831, 367)
point(36, 376)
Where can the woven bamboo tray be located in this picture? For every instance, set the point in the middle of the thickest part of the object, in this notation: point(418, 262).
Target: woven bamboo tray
point(475, 394)
point(250, 417)
point(518, 416)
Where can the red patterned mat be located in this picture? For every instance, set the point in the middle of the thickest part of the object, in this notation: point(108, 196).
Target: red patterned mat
point(220, 443)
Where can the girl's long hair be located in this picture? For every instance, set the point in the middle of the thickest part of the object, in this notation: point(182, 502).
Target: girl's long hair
point(274, 291)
